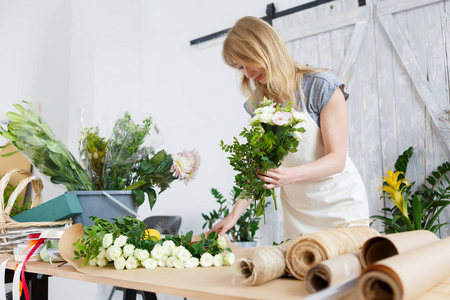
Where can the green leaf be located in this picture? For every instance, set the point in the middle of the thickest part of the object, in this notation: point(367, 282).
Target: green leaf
point(14, 117)
point(151, 194)
point(139, 197)
point(9, 154)
point(417, 212)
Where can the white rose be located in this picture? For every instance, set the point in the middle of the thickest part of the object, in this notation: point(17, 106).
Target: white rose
point(218, 260)
point(229, 258)
point(157, 252)
point(267, 109)
point(170, 261)
point(114, 252)
point(178, 264)
point(297, 135)
point(119, 263)
point(192, 262)
point(102, 262)
point(121, 241)
point(93, 262)
point(141, 254)
point(281, 118)
point(150, 263)
point(184, 254)
point(128, 250)
point(168, 247)
point(101, 253)
point(222, 242)
point(298, 116)
point(107, 240)
point(162, 261)
point(177, 249)
point(254, 120)
point(266, 117)
point(131, 263)
point(206, 260)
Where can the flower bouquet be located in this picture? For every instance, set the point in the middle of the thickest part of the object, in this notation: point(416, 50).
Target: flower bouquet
point(127, 244)
point(122, 162)
point(273, 134)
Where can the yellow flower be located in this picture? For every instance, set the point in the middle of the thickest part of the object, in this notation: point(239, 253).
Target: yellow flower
point(394, 191)
point(152, 234)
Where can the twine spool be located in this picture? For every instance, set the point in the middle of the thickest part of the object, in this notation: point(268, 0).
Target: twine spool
point(313, 248)
point(261, 264)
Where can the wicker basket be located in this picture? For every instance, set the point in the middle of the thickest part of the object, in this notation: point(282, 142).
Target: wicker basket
point(13, 232)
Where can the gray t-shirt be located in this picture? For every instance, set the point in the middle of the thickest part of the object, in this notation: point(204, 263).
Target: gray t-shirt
point(318, 89)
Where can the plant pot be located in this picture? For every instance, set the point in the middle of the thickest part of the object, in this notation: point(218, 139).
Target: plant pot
point(249, 244)
point(105, 205)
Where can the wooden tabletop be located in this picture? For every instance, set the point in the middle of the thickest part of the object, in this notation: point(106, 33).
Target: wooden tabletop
point(198, 283)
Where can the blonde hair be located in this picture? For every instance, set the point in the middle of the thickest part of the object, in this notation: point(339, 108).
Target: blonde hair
point(252, 42)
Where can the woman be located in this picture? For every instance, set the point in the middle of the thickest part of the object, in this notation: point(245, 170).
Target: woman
point(320, 185)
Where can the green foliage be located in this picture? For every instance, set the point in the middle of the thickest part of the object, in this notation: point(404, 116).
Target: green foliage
point(152, 172)
point(88, 246)
point(123, 151)
point(265, 147)
point(122, 162)
point(425, 205)
point(247, 225)
point(16, 208)
point(30, 134)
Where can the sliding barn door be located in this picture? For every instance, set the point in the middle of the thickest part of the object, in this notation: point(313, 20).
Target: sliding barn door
point(392, 55)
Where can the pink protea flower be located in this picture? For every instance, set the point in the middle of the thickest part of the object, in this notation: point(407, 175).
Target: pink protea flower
point(185, 165)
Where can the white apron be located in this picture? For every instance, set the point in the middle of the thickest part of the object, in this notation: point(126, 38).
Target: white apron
point(321, 204)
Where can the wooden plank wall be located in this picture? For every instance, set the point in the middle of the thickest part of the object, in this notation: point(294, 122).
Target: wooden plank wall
point(386, 112)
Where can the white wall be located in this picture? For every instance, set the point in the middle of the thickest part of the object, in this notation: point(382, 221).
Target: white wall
point(85, 62)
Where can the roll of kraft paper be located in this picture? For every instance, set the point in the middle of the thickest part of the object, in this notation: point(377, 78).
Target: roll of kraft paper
point(312, 248)
point(406, 276)
point(259, 265)
point(381, 247)
point(333, 272)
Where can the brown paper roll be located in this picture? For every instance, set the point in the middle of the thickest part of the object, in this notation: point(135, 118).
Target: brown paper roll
point(313, 248)
point(381, 247)
point(408, 275)
point(333, 272)
point(259, 265)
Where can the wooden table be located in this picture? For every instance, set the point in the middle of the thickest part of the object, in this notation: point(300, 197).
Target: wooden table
point(198, 283)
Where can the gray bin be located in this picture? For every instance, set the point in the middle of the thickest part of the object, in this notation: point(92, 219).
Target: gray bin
point(105, 205)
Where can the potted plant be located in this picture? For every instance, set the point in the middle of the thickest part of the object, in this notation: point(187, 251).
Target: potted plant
point(123, 163)
point(419, 210)
point(243, 233)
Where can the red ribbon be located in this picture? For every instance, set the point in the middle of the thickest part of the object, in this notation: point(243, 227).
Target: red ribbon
point(24, 283)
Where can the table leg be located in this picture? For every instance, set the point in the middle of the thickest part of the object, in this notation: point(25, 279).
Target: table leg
point(38, 286)
point(129, 294)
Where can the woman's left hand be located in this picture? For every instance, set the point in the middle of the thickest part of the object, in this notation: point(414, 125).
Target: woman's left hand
point(278, 177)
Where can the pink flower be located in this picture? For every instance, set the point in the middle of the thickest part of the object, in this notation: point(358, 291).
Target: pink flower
point(281, 118)
point(185, 165)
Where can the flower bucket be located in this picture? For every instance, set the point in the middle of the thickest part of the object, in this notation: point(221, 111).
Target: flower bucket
point(105, 205)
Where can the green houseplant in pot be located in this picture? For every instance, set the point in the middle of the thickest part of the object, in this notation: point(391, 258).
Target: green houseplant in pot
point(243, 233)
point(417, 210)
point(124, 163)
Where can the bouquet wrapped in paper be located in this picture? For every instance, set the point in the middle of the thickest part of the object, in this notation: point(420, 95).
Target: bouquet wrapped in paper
point(31, 135)
point(274, 133)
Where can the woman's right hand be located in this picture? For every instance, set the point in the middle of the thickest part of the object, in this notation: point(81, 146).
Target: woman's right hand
point(224, 225)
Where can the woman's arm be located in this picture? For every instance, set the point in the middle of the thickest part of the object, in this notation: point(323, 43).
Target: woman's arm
point(333, 125)
point(229, 221)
